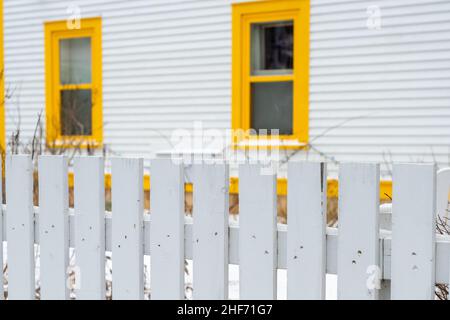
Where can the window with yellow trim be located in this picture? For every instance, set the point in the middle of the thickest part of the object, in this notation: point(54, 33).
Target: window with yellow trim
point(74, 84)
point(271, 72)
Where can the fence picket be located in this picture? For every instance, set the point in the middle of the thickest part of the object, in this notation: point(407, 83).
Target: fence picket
point(167, 230)
point(413, 232)
point(210, 245)
point(89, 194)
point(257, 241)
point(410, 260)
point(20, 227)
point(127, 229)
point(306, 237)
point(358, 242)
point(53, 227)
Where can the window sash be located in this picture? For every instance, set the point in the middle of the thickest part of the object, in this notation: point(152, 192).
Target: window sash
point(56, 31)
point(74, 34)
point(249, 77)
point(258, 48)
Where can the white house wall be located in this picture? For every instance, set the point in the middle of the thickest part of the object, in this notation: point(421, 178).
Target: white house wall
point(375, 95)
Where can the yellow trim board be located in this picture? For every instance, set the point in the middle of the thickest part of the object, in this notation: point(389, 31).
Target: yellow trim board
point(243, 15)
point(54, 32)
point(2, 86)
point(333, 186)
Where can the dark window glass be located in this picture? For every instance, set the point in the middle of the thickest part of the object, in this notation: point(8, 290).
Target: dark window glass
point(76, 112)
point(273, 48)
point(272, 107)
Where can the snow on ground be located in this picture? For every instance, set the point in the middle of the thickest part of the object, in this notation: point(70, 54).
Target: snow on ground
point(331, 280)
point(331, 283)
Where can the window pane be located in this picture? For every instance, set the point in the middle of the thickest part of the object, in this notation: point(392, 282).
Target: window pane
point(75, 63)
point(272, 107)
point(273, 48)
point(76, 112)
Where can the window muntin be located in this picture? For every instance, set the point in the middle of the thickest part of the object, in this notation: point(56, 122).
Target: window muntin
point(271, 63)
point(73, 81)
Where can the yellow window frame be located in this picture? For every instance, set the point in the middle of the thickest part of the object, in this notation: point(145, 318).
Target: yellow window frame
point(54, 32)
point(245, 14)
point(2, 87)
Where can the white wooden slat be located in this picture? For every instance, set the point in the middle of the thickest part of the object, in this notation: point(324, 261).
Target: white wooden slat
point(210, 245)
point(358, 242)
point(442, 245)
point(127, 229)
point(20, 227)
point(257, 236)
point(167, 230)
point(413, 231)
point(53, 227)
point(306, 237)
point(89, 194)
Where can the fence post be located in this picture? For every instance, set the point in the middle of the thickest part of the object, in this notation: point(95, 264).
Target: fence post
point(257, 235)
point(127, 228)
point(306, 237)
point(20, 227)
point(53, 227)
point(359, 270)
point(167, 230)
point(210, 240)
point(89, 194)
point(413, 231)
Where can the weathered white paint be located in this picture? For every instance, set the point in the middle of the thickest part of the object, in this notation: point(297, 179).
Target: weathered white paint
point(413, 232)
point(428, 255)
point(20, 227)
point(53, 227)
point(442, 245)
point(306, 237)
point(89, 239)
point(127, 229)
point(167, 230)
point(257, 241)
point(167, 63)
point(210, 234)
point(358, 244)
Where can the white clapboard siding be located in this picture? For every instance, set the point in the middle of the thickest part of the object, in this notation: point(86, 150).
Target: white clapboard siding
point(210, 241)
point(306, 237)
point(89, 194)
point(413, 231)
point(53, 227)
point(20, 227)
point(167, 230)
point(167, 64)
point(358, 244)
point(257, 235)
point(127, 229)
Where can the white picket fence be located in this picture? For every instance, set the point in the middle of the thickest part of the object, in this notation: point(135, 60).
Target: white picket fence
point(411, 258)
